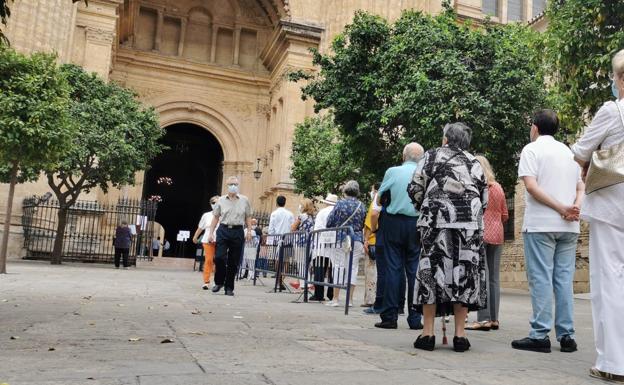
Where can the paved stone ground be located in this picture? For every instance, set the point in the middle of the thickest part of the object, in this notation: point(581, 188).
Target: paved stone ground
point(74, 324)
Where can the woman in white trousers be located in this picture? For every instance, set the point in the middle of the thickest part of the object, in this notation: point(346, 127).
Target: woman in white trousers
point(604, 210)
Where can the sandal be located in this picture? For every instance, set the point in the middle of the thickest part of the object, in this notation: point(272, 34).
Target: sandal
point(593, 372)
point(494, 325)
point(483, 326)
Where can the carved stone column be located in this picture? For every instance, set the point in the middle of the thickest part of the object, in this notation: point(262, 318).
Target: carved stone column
point(288, 50)
point(237, 35)
point(183, 25)
point(213, 43)
point(159, 29)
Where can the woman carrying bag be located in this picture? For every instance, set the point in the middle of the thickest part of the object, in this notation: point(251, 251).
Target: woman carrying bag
point(600, 151)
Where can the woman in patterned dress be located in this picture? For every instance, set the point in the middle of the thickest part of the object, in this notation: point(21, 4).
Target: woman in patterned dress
point(451, 193)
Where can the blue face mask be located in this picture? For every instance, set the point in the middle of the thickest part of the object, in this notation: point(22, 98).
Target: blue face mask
point(615, 90)
point(233, 188)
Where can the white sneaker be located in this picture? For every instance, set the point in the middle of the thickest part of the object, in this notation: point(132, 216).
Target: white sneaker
point(334, 304)
point(206, 286)
point(350, 304)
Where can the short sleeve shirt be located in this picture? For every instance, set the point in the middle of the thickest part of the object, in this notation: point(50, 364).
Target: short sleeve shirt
point(204, 224)
point(232, 212)
point(552, 164)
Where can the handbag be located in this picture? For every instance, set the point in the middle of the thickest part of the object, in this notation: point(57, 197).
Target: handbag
point(607, 166)
point(346, 242)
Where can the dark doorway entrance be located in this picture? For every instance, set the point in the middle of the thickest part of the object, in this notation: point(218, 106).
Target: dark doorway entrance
point(184, 177)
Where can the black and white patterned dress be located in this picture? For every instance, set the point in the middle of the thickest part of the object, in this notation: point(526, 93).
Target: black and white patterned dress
point(451, 194)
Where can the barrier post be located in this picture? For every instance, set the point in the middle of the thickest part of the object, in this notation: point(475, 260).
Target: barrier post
point(306, 269)
point(349, 271)
point(255, 277)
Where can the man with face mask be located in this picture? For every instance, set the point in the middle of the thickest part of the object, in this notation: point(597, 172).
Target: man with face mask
point(234, 211)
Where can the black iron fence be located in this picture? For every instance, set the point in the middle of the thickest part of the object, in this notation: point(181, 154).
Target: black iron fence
point(90, 229)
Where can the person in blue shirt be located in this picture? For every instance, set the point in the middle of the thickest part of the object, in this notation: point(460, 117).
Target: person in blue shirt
point(401, 240)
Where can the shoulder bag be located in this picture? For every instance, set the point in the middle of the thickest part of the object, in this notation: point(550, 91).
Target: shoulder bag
point(607, 166)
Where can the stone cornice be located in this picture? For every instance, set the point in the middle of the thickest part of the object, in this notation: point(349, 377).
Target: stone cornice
point(286, 33)
point(155, 61)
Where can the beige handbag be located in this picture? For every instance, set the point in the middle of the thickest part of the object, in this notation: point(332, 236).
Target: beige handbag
point(607, 166)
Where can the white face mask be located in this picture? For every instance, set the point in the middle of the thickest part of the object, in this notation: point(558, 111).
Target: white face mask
point(233, 188)
point(299, 208)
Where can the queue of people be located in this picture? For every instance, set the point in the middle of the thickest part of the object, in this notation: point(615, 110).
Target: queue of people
point(433, 236)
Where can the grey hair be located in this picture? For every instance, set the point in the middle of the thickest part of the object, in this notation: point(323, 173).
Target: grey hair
point(617, 63)
point(351, 189)
point(458, 135)
point(413, 152)
point(232, 177)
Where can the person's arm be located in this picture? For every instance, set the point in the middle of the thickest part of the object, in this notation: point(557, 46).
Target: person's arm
point(580, 195)
point(295, 224)
point(504, 209)
point(272, 224)
point(543, 197)
point(213, 225)
point(248, 232)
point(196, 235)
point(332, 219)
point(595, 133)
point(417, 188)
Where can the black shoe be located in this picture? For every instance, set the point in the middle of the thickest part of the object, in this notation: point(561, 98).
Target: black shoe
point(568, 345)
point(532, 344)
point(386, 325)
point(229, 292)
point(216, 288)
point(425, 342)
point(418, 326)
point(316, 299)
point(460, 344)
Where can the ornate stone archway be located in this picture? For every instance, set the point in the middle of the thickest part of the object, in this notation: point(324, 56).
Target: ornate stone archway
point(184, 109)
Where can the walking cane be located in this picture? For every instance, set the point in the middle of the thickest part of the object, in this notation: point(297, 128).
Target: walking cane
point(444, 339)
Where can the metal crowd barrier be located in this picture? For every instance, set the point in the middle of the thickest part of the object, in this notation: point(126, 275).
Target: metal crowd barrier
point(321, 258)
point(267, 257)
point(247, 265)
point(330, 260)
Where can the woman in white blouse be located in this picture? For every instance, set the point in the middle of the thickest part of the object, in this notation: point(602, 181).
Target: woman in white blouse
point(604, 210)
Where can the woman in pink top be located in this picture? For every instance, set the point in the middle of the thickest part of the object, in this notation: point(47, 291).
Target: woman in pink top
point(495, 215)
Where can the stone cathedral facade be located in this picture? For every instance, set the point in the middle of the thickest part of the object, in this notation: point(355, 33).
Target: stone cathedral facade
point(214, 70)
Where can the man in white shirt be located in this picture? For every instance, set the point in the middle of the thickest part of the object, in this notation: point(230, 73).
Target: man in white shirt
point(321, 261)
point(209, 247)
point(281, 219)
point(550, 232)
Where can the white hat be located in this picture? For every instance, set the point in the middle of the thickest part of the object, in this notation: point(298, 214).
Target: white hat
point(330, 199)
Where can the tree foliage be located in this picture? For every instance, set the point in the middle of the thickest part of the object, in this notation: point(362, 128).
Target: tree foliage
point(581, 39)
point(321, 161)
point(388, 85)
point(35, 127)
point(117, 137)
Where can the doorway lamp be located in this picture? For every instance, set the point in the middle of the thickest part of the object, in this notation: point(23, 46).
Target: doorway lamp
point(257, 173)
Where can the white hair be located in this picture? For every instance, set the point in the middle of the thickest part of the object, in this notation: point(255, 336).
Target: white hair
point(617, 64)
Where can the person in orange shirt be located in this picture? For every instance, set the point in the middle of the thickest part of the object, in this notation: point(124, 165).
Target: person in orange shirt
point(209, 247)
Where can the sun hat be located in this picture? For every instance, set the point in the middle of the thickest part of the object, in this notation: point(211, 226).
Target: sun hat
point(330, 199)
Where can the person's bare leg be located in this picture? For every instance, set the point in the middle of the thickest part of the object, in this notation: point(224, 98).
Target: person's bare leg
point(351, 294)
point(428, 319)
point(460, 312)
point(336, 294)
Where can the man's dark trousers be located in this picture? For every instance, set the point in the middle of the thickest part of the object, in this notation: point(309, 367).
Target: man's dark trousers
point(230, 241)
point(401, 251)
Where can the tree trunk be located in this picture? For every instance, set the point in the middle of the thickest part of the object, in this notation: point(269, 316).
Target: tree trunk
point(57, 252)
point(7, 220)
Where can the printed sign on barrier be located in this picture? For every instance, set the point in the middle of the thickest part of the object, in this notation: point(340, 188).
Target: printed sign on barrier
point(327, 237)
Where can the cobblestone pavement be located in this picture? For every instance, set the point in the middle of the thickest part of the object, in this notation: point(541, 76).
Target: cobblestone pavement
point(84, 324)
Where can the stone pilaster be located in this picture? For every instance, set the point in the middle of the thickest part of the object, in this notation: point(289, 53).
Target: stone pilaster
point(287, 51)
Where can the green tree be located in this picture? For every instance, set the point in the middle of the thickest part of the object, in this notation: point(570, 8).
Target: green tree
point(117, 137)
point(321, 161)
point(391, 84)
point(35, 128)
point(581, 39)
point(5, 13)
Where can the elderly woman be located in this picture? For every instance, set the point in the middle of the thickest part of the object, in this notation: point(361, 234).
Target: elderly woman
point(451, 193)
point(604, 210)
point(494, 219)
point(348, 211)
